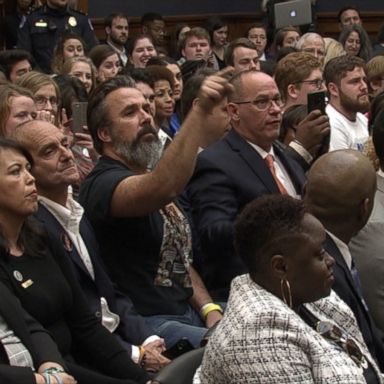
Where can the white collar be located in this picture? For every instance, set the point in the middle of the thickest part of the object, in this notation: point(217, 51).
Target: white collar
point(69, 216)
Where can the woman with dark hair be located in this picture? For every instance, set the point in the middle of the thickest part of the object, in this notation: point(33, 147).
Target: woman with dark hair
point(69, 45)
point(106, 61)
point(139, 50)
point(176, 37)
point(291, 118)
point(283, 323)
point(356, 41)
point(218, 32)
point(35, 268)
point(164, 101)
point(172, 65)
point(27, 355)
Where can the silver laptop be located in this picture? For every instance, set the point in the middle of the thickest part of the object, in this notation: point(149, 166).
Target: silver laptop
point(295, 12)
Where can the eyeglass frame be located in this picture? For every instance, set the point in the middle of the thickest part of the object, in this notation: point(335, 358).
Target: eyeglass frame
point(342, 339)
point(53, 100)
point(274, 100)
point(317, 82)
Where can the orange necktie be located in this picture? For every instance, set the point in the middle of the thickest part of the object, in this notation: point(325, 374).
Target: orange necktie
point(269, 160)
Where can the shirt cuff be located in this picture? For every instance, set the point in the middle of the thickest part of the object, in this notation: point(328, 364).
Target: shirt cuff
point(135, 354)
point(298, 147)
point(150, 339)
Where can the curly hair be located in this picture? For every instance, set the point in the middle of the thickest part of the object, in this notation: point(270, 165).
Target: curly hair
point(261, 225)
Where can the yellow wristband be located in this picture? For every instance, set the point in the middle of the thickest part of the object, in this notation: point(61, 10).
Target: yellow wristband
point(205, 309)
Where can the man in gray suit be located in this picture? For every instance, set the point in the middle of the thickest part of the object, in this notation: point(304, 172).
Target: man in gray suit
point(367, 247)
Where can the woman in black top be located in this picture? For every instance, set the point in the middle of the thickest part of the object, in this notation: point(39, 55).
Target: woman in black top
point(35, 268)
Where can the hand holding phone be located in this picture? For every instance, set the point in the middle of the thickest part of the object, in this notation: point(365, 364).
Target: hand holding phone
point(79, 116)
point(316, 101)
point(181, 347)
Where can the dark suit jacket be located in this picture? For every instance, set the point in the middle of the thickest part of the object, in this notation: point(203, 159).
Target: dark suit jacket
point(34, 337)
point(132, 328)
point(344, 286)
point(229, 175)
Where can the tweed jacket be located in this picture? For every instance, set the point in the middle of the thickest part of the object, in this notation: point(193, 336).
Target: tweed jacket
point(261, 340)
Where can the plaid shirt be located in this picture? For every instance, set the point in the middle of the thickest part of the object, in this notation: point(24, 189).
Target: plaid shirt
point(17, 354)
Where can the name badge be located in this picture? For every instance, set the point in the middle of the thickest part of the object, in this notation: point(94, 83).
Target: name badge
point(41, 24)
point(27, 283)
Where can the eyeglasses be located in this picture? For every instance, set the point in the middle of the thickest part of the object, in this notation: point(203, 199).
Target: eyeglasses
point(333, 333)
point(41, 101)
point(318, 83)
point(263, 103)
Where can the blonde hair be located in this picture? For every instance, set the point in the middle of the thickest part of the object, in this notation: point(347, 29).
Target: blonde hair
point(7, 92)
point(333, 48)
point(68, 65)
point(35, 80)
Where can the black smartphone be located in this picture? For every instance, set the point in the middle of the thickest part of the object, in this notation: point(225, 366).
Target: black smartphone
point(79, 116)
point(316, 100)
point(181, 347)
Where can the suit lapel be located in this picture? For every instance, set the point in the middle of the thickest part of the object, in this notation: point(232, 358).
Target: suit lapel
point(297, 183)
point(252, 158)
point(56, 228)
point(258, 165)
point(339, 259)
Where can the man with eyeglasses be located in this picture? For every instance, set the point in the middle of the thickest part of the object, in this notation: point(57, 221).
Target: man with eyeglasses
point(242, 166)
point(347, 85)
point(312, 43)
point(298, 74)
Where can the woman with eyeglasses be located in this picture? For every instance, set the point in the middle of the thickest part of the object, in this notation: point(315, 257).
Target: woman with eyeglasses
point(282, 323)
point(45, 93)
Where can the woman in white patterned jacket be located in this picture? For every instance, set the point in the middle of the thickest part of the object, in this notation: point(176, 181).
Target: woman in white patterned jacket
point(283, 324)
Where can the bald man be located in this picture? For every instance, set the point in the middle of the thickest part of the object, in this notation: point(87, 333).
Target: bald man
point(235, 170)
point(340, 192)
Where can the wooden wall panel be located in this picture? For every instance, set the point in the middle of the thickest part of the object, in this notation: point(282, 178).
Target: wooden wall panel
point(238, 23)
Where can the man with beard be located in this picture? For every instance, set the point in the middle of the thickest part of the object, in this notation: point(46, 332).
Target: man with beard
point(347, 86)
point(54, 171)
point(145, 239)
point(116, 29)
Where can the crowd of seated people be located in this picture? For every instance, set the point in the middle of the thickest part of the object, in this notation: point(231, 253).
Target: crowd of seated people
point(152, 193)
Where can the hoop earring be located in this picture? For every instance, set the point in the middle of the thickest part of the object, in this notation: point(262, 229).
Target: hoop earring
point(285, 287)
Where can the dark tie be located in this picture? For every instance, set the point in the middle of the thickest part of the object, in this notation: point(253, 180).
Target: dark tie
point(357, 282)
point(270, 163)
